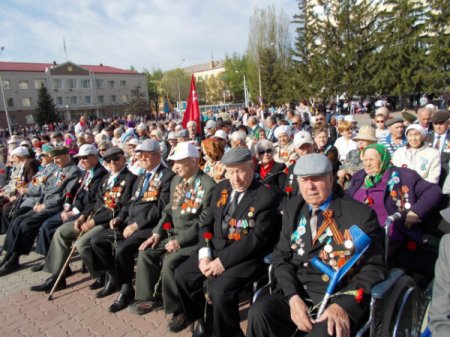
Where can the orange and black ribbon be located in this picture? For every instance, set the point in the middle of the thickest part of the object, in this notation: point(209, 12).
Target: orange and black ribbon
point(329, 222)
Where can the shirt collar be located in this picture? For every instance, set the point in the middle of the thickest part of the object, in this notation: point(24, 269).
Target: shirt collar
point(325, 204)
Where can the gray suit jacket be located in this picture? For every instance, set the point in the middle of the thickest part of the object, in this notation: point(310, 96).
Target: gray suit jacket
point(37, 186)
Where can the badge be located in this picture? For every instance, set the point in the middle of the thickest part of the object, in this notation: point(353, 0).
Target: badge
point(301, 252)
point(407, 205)
point(328, 248)
point(325, 278)
point(251, 212)
point(348, 244)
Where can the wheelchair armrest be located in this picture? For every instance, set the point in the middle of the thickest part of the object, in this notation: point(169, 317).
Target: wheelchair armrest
point(268, 259)
point(380, 289)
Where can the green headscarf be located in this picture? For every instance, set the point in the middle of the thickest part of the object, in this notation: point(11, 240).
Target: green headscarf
point(371, 181)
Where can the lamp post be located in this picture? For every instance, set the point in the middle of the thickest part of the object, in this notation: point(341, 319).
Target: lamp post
point(4, 101)
point(245, 90)
point(179, 93)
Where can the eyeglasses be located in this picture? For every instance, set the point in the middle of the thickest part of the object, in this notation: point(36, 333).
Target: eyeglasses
point(83, 157)
point(101, 150)
point(111, 159)
point(381, 121)
point(262, 152)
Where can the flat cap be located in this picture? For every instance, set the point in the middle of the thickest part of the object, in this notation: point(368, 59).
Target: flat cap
point(314, 164)
point(210, 124)
point(440, 116)
point(86, 150)
point(113, 151)
point(59, 151)
point(148, 145)
point(47, 147)
point(184, 150)
point(236, 155)
point(393, 121)
point(408, 116)
point(182, 134)
point(21, 151)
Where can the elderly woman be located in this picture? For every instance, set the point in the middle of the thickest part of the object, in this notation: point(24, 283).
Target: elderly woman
point(323, 145)
point(390, 190)
point(344, 143)
point(268, 170)
point(158, 135)
point(284, 149)
point(418, 156)
point(117, 135)
point(213, 150)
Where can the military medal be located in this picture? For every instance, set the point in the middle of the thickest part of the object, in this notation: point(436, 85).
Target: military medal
point(325, 278)
point(251, 212)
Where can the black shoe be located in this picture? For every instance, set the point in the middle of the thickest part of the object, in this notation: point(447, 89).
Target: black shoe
point(143, 307)
point(49, 283)
point(38, 267)
point(107, 290)
point(98, 283)
point(126, 296)
point(202, 329)
point(178, 323)
point(9, 267)
point(84, 269)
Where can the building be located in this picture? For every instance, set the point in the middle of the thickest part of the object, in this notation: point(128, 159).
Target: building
point(204, 71)
point(95, 91)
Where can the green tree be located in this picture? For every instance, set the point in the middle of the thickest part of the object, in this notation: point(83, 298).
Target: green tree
point(154, 79)
point(233, 77)
point(175, 84)
point(138, 102)
point(46, 109)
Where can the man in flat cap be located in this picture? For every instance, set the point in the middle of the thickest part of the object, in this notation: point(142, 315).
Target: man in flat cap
point(439, 139)
point(175, 236)
point(396, 139)
point(114, 191)
point(241, 228)
point(25, 228)
point(133, 223)
point(316, 223)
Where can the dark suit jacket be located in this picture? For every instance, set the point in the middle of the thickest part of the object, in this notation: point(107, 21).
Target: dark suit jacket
point(147, 213)
point(245, 255)
point(102, 214)
point(292, 182)
point(276, 177)
point(293, 273)
point(445, 156)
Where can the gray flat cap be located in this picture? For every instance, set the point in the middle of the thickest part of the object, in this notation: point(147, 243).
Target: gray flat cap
point(393, 121)
point(440, 116)
point(314, 164)
point(236, 155)
point(148, 145)
point(112, 152)
point(182, 134)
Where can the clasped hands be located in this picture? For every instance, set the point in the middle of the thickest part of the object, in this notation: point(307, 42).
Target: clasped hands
point(171, 246)
point(210, 267)
point(83, 225)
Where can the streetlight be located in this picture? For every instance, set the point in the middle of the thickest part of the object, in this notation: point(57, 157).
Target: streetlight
point(245, 90)
point(4, 102)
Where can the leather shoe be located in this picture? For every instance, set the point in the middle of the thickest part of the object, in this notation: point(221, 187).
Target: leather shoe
point(107, 290)
point(122, 301)
point(143, 307)
point(9, 267)
point(38, 267)
point(202, 329)
point(98, 283)
point(49, 283)
point(178, 323)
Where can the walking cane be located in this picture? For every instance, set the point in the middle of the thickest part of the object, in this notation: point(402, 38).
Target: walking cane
point(63, 270)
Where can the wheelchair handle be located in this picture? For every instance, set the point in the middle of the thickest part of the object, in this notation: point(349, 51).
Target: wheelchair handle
point(387, 229)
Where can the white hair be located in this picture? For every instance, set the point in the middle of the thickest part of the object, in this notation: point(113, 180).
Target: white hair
point(238, 136)
point(193, 123)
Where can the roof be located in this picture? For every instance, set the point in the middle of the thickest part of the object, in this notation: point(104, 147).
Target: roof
point(204, 67)
point(40, 67)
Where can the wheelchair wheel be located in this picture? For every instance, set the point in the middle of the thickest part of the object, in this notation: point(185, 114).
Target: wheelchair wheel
point(401, 315)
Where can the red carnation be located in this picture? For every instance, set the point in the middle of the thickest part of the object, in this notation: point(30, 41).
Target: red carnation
point(286, 170)
point(167, 226)
point(369, 201)
point(207, 236)
point(68, 195)
point(411, 246)
point(288, 189)
point(359, 295)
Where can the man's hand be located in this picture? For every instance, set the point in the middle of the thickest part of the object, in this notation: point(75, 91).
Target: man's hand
point(130, 229)
point(66, 215)
point(214, 268)
point(78, 222)
point(86, 227)
point(337, 320)
point(411, 219)
point(203, 264)
point(172, 246)
point(114, 223)
point(151, 242)
point(38, 208)
point(299, 314)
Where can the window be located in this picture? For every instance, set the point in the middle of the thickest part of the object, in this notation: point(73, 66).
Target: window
point(71, 84)
point(57, 84)
point(59, 100)
point(85, 84)
point(6, 84)
point(10, 102)
point(29, 119)
point(99, 84)
point(23, 84)
point(123, 84)
point(125, 98)
point(113, 98)
point(110, 84)
point(73, 100)
point(87, 99)
point(26, 102)
point(101, 99)
point(38, 84)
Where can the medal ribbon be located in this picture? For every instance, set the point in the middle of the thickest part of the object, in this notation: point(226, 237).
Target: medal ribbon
point(329, 222)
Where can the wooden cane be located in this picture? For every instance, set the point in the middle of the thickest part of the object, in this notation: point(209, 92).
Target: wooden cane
point(63, 270)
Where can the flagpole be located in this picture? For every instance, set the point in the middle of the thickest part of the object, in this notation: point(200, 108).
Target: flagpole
point(4, 102)
point(65, 49)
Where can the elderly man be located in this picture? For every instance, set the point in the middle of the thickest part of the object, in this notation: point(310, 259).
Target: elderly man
point(316, 223)
point(134, 223)
point(253, 127)
point(141, 131)
point(193, 132)
point(396, 138)
point(439, 139)
point(81, 198)
point(81, 126)
point(114, 191)
point(240, 229)
point(24, 228)
point(424, 118)
point(190, 195)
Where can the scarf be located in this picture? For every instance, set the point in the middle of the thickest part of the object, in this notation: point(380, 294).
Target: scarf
point(371, 181)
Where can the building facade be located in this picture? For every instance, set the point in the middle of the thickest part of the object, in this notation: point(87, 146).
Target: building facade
point(94, 91)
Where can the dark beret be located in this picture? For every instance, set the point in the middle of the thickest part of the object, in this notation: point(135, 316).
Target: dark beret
point(393, 121)
point(113, 151)
point(440, 116)
point(236, 156)
point(59, 151)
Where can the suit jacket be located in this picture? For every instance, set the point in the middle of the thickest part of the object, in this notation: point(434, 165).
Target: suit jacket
point(275, 178)
point(258, 207)
point(290, 182)
point(147, 213)
point(186, 225)
point(36, 187)
point(124, 182)
point(293, 273)
point(445, 156)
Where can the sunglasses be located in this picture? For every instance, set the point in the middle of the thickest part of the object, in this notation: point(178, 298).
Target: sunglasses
point(262, 152)
point(379, 121)
point(83, 157)
point(111, 159)
point(101, 150)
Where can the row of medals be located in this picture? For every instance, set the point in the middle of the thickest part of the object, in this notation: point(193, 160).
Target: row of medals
point(152, 192)
point(192, 197)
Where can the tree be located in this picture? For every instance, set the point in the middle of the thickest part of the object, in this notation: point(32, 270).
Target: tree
point(46, 109)
point(138, 102)
point(154, 79)
point(233, 77)
point(175, 84)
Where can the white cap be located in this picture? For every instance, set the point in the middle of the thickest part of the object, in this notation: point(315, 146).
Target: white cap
point(210, 124)
point(221, 134)
point(282, 129)
point(171, 135)
point(301, 138)
point(148, 145)
point(86, 150)
point(21, 151)
point(184, 150)
point(133, 141)
point(25, 143)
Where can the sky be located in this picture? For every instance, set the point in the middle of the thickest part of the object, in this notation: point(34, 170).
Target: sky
point(120, 33)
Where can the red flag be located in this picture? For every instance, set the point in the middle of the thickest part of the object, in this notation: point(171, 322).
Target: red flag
point(192, 112)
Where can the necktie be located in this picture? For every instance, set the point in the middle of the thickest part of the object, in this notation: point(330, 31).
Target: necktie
point(313, 222)
point(437, 146)
point(230, 210)
point(145, 183)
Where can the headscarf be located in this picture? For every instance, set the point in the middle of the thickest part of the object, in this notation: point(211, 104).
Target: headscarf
point(371, 181)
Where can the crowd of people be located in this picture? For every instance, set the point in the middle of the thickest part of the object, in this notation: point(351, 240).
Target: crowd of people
point(181, 218)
